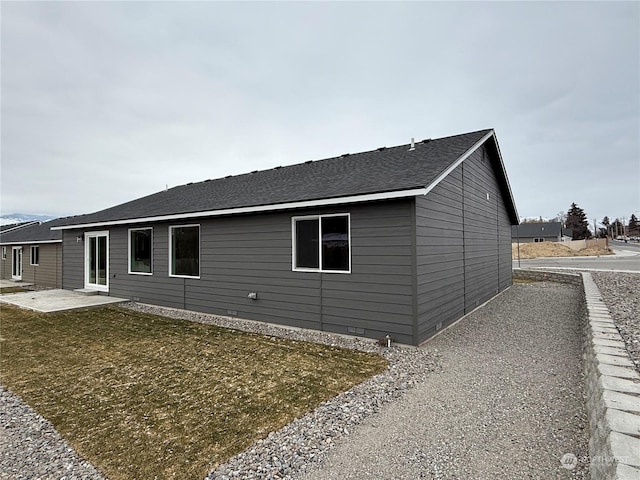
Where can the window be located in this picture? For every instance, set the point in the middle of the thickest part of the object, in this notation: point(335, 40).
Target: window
point(322, 243)
point(35, 255)
point(538, 240)
point(184, 251)
point(140, 250)
point(4, 253)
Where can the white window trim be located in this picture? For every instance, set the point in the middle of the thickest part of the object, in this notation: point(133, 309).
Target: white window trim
point(171, 227)
point(31, 255)
point(129, 251)
point(4, 253)
point(319, 218)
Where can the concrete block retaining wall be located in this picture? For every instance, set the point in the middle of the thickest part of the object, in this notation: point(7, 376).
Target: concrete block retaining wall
point(612, 385)
point(541, 275)
point(613, 394)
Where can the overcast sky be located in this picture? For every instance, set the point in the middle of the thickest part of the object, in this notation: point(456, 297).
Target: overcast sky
point(107, 102)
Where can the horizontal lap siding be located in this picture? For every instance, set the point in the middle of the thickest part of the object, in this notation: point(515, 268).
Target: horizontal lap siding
point(376, 299)
point(238, 255)
point(5, 265)
point(439, 256)
point(72, 259)
point(48, 272)
point(481, 252)
point(252, 253)
point(504, 245)
point(463, 244)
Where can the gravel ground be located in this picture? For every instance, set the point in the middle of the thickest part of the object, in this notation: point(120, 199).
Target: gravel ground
point(310, 437)
point(621, 293)
point(497, 396)
point(30, 448)
point(508, 404)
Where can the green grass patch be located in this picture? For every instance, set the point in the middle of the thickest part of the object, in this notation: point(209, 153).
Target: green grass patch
point(143, 396)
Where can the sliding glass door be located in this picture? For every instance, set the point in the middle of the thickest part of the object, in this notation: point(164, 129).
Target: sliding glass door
point(16, 263)
point(96, 269)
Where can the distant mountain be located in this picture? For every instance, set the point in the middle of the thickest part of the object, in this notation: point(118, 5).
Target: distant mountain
point(23, 217)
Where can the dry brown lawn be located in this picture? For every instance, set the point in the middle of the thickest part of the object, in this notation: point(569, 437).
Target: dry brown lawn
point(143, 396)
point(553, 249)
point(12, 290)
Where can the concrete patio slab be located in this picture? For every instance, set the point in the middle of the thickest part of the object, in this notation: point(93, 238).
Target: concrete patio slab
point(57, 300)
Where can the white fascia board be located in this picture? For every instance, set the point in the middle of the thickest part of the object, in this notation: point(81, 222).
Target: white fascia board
point(506, 178)
point(257, 209)
point(457, 163)
point(35, 242)
point(466, 155)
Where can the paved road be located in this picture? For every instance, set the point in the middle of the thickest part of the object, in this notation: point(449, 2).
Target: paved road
point(627, 259)
point(622, 246)
point(508, 403)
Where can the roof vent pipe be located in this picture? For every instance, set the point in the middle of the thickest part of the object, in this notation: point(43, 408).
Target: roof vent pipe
point(413, 144)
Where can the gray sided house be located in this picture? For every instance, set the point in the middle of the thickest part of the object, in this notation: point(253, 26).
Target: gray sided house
point(400, 241)
point(32, 253)
point(540, 232)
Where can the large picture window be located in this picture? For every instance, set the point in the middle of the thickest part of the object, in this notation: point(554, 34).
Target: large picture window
point(322, 243)
point(184, 251)
point(140, 251)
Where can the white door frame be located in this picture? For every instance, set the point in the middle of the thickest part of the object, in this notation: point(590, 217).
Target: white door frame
point(97, 284)
point(16, 256)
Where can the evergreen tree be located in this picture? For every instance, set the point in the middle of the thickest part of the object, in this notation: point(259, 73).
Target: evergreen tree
point(634, 227)
point(577, 221)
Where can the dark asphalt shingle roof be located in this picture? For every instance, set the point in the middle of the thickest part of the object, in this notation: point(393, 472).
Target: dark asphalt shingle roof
point(37, 232)
point(14, 226)
point(376, 171)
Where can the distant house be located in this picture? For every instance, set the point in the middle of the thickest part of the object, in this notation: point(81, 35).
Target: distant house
point(32, 253)
point(540, 232)
point(14, 226)
point(400, 241)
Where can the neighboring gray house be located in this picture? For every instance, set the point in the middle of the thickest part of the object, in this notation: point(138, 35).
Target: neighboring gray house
point(540, 232)
point(400, 241)
point(32, 253)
